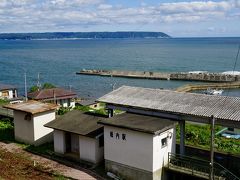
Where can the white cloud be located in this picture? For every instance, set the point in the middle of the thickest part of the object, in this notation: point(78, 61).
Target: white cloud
point(39, 15)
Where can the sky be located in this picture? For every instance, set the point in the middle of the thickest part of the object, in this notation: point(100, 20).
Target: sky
point(178, 18)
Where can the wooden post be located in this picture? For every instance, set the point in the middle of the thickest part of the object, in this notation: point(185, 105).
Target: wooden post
point(182, 137)
point(211, 174)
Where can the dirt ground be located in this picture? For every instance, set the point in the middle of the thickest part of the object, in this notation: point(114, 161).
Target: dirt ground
point(15, 163)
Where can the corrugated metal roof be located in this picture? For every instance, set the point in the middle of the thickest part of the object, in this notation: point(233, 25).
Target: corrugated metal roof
point(221, 107)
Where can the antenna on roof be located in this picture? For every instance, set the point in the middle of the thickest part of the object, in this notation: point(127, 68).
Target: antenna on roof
point(25, 85)
point(38, 82)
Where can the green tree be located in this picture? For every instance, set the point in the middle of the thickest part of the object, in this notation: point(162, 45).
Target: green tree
point(48, 86)
point(45, 86)
point(33, 88)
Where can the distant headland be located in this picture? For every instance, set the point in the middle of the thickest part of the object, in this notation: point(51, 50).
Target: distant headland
point(82, 35)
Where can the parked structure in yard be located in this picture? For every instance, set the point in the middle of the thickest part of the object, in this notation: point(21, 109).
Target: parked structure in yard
point(137, 146)
point(77, 134)
point(90, 103)
point(29, 118)
point(8, 91)
point(59, 96)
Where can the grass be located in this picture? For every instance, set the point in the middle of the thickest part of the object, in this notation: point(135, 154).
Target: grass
point(3, 102)
point(6, 130)
point(199, 136)
point(46, 149)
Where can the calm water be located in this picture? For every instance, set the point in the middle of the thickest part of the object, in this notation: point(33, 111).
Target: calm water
point(57, 61)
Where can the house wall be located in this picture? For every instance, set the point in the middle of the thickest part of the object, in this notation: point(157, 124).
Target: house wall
point(136, 151)
point(89, 149)
point(59, 141)
point(160, 154)
point(140, 156)
point(23, 129)
point(66, 103)
point(43, 134)
point(99, 153)
point(9, 94)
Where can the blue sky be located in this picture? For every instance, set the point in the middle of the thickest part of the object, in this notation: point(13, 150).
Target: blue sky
point(178, 18)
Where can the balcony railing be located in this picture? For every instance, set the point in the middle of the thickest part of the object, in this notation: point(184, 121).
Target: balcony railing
point(198, 167)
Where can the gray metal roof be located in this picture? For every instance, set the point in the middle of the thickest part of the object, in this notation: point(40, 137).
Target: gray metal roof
point(201, 105)
point(141, 123)
point(77, 122)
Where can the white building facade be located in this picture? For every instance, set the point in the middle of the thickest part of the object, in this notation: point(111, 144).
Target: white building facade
point(7, 91)
point(29, 120)
point(85, 148)
point(134, 153)
point(77, 135)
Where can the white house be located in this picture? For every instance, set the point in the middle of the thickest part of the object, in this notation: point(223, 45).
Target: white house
point(62, 97)
point(77, 135)
point(137, 146)
point(7, 91)
point(29, 118)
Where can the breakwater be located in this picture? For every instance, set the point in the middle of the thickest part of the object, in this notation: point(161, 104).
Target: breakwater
point(194, 87)
point(184, 76)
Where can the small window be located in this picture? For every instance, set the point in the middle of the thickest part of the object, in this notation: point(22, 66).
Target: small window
point(164, 142)
point(101, 141)
point(231, 129)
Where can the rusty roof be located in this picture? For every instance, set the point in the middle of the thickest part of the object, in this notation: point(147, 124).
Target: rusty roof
point(32, 107)
point(52, 93)
point(167, 101)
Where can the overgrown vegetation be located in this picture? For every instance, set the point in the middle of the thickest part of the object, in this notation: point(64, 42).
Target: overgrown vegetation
point(47, 149)
point(101, 111)
point(3, 102)
point(6, 130)
point(199, 136)
point(63, 110)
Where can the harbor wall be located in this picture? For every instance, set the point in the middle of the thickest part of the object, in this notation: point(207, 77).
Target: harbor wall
point(184, 76)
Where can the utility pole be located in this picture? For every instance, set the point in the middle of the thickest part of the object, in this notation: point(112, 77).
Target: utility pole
point(211, 174)
point(25, 85)
point(70, 87)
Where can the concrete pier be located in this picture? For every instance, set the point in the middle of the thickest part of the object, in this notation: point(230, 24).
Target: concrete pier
point(184, 76)
point(194, 87)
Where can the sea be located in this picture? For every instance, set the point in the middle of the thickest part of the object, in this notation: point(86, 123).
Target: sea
point(57, 61)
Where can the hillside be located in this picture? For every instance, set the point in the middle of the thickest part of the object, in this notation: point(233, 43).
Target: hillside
point(82, 35)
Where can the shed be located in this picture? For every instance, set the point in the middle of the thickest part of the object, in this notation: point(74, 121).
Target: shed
point(29, 118)
point(90, 103)
point(78, 135)
point(137, 146)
